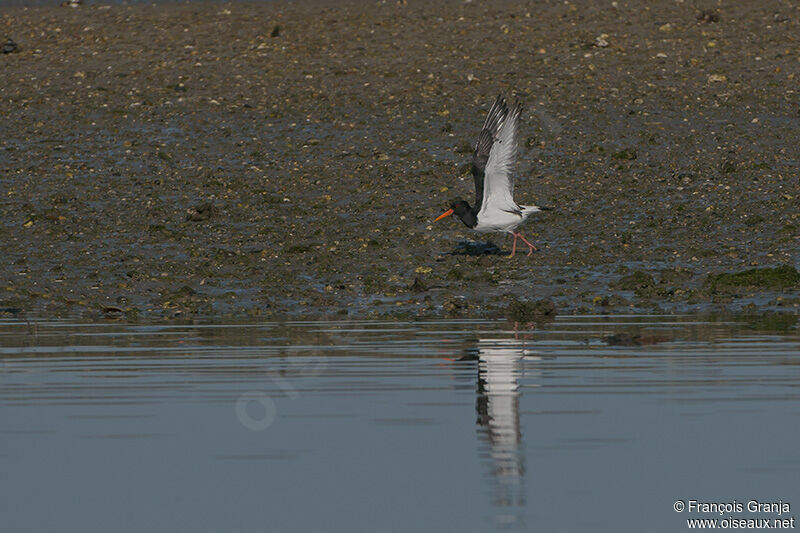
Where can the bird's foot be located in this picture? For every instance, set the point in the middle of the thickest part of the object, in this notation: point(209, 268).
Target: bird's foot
point(531, 247)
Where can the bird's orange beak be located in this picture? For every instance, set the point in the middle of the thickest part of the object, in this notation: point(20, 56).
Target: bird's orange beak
point(445, 214)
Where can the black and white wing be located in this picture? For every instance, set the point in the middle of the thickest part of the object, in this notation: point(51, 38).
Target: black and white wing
point(499, 182)
point(486, 139)
point(495, 157)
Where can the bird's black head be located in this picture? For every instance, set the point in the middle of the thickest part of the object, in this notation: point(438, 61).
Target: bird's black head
point(464, 211)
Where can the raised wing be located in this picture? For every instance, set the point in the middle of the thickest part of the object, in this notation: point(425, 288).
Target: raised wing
point(498, 184)
point(486, 139)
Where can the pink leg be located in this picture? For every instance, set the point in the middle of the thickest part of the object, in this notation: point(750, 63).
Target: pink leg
point(514, 246)
point(531, 247)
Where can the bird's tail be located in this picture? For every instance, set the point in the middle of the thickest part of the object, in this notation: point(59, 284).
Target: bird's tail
point(529, 209)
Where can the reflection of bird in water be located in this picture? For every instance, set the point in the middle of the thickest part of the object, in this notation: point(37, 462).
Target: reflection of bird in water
point(500, 364)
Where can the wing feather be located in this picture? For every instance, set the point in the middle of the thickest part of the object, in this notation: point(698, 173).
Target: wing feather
point(498, 183)
point(486, 139)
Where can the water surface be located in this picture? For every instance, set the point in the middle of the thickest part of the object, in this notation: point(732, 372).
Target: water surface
point(382, 426)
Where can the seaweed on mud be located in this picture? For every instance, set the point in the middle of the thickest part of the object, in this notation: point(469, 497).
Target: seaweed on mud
point(771, 278)
point(523, 311)
point(322, 174)
point(641, 283)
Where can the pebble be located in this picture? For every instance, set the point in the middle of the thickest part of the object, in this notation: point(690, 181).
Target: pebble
point(10, 47)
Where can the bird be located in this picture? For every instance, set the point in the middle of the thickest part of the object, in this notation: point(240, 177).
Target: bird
point(492, 165)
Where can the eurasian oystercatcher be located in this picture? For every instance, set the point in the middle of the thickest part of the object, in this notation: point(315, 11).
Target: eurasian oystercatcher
point(492, 163)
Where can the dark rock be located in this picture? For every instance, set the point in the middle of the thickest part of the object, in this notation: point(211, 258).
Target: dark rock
point(727, 166)
point(112, 312)
point(10, 47)
point(522, 311)
point(708, 16)
point(418, 285)
point(201, 212)
point(179, 294)
point(610, 300)
point(642, 284)
point(454, 306)
point(628, 154)
point(635, 280)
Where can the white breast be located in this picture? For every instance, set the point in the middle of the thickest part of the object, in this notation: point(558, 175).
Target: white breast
point(492, 219)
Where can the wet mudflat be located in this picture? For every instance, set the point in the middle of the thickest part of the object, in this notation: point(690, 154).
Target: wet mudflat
point(592, 423)
point(286, 160)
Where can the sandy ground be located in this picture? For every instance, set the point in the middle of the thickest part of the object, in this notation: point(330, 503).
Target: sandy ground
point(284, 161)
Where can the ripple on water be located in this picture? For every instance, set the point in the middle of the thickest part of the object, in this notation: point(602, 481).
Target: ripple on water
point(294, 423)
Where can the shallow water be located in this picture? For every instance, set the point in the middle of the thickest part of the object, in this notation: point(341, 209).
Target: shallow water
point(376, 426)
